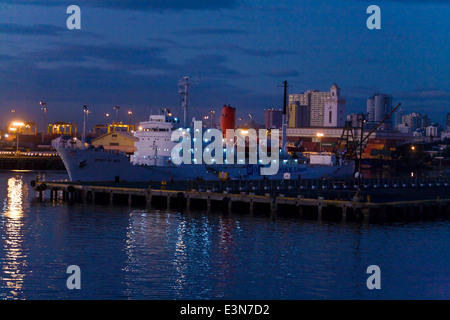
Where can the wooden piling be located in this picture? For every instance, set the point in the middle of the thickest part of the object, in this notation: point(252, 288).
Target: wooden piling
point(344, 213)
point(262, 196)
point(319, 211)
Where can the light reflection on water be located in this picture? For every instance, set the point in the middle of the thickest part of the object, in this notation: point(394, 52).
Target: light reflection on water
point(15, 259)
point(127, 253)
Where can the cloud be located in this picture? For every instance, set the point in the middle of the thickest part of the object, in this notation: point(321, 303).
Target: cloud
point(108, 56)
point(424, 94)
point(283, 73)
point(210, 65)
point(260, 52)
point(139, 5)
point(213, 31)
point(37, 29)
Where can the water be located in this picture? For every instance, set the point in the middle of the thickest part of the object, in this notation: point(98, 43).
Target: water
point(134, 254)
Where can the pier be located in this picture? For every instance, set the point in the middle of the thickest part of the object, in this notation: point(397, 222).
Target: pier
point(372, 200)
point(45, 160)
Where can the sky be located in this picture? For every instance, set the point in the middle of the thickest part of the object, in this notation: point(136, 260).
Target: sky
point(132, 53)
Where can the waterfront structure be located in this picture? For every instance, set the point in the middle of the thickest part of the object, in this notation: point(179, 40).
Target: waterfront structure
point(121, 141)
point(378, 107)
point(312, 103)
point(60, 127)
point(24, 128)
point(316, 139)
point(273, 118)
point(119, 126)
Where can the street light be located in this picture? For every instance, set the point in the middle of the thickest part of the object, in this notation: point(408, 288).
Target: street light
point(16, 127)
point(44, 110)
point(130, 113)
point(320, 135)
point(117, 113)
point(212, 112)
point(85, 113)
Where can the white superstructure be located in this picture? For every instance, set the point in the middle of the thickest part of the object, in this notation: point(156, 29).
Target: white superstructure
point(154, 147)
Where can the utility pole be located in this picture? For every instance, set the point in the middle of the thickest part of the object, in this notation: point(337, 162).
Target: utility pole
point(183, 89)
point(85, 110)
point(283, 140)
point(361, 147)
point(117, 113)
point(212, 112)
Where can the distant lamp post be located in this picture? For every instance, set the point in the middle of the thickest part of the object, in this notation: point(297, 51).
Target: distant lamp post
point(44, 110)
point(85, 114)
point(16, 127)
point(320, 136)
point(117, 113)
point(212, 112)
point(107, 118)
point(130, 113)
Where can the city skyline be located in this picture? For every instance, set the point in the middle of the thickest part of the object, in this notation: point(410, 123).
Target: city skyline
point(238, 53)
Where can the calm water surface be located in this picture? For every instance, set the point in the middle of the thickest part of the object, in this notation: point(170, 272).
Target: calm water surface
point(128, 253)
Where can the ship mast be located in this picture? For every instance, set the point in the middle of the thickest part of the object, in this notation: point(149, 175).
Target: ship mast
point(183, 89)
point(283, 139)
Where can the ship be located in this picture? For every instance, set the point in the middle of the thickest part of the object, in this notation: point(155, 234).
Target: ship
point(152, 161)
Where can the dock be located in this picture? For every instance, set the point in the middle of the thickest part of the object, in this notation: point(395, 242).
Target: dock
point(322, 199)
point(34, 160)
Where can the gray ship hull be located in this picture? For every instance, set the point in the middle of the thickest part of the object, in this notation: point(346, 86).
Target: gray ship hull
point(90, 165)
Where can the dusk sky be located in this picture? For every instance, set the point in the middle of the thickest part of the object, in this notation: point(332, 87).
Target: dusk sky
point(132, 54)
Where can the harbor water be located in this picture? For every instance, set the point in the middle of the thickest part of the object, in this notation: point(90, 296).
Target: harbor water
point(135, 253)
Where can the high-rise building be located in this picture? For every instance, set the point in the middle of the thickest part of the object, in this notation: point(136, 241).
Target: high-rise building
point(431, 131)
point(415, 121)
point(378, 106)
point(334, 109)
point(354, 119)
point(448, 122)
point(273, 118)
point(298, 115)
point(313, 102)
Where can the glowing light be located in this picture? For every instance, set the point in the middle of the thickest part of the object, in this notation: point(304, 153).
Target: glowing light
point(15, 258)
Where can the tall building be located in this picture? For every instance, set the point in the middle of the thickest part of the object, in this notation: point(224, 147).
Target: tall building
point(273, 118)
point(298, 115)
point(334, 109)
point(313, 103)
point(415, 121)
point(354, 119)
point(448, 122)
point(378, 106)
